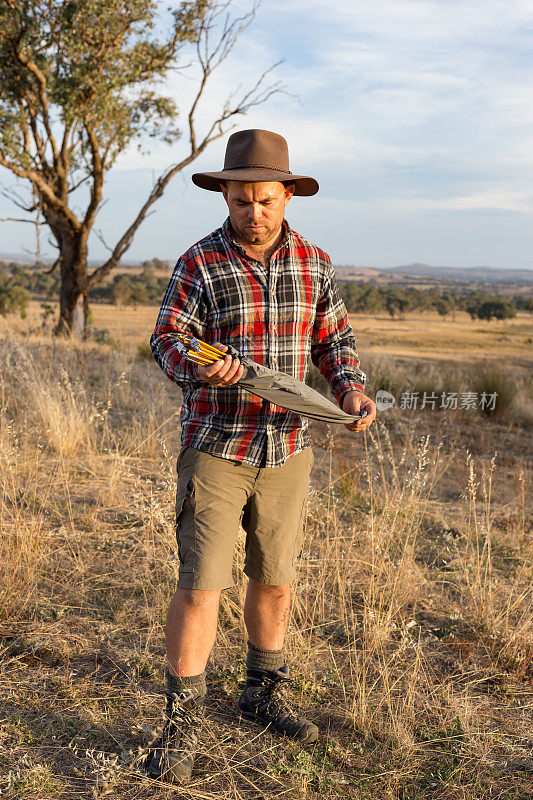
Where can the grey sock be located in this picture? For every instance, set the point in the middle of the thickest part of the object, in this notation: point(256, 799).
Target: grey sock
point(257, 658)
point(187, 683)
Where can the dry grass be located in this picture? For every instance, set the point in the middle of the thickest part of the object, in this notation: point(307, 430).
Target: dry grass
point(427, 335)
point(411, 633)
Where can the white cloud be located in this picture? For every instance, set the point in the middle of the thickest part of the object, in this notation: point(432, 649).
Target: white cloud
point(423, 22)
point(395, 82)
point(413, 105)
point(493, 200)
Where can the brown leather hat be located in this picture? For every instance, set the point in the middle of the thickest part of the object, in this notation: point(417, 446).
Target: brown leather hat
point(253, 156)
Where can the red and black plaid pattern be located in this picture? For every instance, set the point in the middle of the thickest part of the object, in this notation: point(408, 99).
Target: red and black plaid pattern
point(280, 317)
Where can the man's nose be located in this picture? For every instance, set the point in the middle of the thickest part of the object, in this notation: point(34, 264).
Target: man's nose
point(255, 211)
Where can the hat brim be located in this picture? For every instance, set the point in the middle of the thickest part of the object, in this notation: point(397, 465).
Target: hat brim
point(305, 186)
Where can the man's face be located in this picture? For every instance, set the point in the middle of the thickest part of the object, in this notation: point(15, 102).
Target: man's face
point(256, 210)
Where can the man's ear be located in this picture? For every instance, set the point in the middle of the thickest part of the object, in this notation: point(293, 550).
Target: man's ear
point(289, 191)
point(224, 190)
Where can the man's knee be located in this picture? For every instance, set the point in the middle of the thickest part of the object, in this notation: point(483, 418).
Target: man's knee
point(196, 599)
point(275, 592)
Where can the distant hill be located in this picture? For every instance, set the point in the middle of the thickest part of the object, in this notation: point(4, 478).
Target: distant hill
point(427, 272)
point(408, 273)
point(491, 274)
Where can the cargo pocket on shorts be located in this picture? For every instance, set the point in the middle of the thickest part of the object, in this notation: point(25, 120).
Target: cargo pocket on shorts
point(299, 542)
point(185, 501)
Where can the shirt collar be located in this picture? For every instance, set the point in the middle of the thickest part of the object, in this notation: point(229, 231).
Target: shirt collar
point(227, 232)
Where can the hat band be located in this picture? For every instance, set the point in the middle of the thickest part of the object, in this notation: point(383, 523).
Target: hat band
point(259, 166)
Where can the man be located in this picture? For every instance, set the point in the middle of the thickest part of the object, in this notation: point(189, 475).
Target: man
point(260, 286)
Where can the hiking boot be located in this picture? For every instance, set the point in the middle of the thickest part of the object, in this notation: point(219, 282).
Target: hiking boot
point(172, 755)
point(263, 701)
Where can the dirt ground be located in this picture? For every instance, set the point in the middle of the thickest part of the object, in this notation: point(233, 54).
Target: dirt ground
point(411, 640)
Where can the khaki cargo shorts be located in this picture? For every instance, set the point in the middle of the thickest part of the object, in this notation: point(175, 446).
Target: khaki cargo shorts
point(215, 496)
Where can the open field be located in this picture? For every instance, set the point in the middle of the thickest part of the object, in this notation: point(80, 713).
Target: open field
point(425, 335)
point(411, 638)
point(430, 336)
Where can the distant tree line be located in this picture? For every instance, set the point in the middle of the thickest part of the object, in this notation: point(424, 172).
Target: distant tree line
point(35, 281)
point(146, 286)
point(136, 289)
point(370, 297)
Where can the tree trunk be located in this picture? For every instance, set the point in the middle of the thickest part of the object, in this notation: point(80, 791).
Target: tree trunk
point(73, 298)
point(73, 312)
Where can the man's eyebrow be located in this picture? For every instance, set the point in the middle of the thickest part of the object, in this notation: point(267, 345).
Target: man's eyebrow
point(262, 200)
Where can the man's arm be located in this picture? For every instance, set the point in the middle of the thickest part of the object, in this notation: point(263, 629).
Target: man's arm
point(334, 352)
point(183, 310)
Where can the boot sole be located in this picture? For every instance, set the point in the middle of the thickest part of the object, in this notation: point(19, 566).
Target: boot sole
point(250, 718)
point(167, 775)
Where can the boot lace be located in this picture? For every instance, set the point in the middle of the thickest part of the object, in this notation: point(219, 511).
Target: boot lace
point(182, 722)
point(276, 703)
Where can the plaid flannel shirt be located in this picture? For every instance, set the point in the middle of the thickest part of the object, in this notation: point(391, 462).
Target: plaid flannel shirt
point(279, 316)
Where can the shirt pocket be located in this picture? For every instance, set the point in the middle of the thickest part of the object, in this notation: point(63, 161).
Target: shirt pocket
point(236, 306)
point(297, 297)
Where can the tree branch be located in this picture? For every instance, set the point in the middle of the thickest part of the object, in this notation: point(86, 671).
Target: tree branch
point(39, 144)
point(125, 241)
point(45, 191)
point(17, 219)
point(78, 184)
point(64, 153)
point(253, 97)
point(56, 263)
point(231, 32)
point(41, 88)
point(97, 174)
point(25, 128)
point(17, 200)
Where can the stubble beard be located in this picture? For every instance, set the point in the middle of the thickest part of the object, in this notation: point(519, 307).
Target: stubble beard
point(254, 238)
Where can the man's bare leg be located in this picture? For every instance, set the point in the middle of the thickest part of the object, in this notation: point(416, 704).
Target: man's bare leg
point(266, 614)
point(191, 630)
point(190, 634)
point(192, 623)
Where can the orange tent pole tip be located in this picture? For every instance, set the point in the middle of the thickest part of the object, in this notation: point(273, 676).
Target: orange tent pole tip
point(190, 344)
point(199, 359)
point(198, 343)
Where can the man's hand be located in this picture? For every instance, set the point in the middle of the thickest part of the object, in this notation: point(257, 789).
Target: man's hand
point(355, 403)
point(224, 372)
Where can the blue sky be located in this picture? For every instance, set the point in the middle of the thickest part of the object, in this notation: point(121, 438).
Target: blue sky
point(415, 116)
